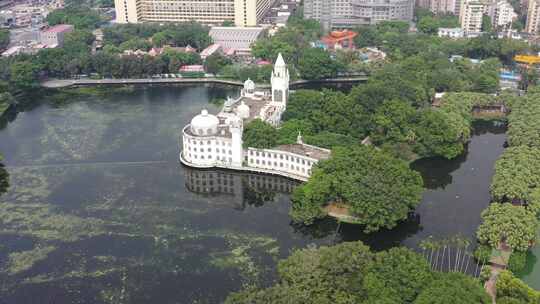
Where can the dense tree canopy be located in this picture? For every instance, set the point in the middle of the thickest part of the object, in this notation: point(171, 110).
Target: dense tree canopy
point(79, 16)
point(451, 288)
point(512, 290)
point(504, 222)
point(181, 34)
point(517, 174)
point(378, 189)
point(4, 39)
point(524, 122)
point(315, 63)
point(259, 134)
point(349, 273)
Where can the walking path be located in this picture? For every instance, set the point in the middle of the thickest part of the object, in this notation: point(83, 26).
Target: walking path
point(62, 83)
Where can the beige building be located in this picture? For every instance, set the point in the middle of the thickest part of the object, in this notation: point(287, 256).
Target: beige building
point(444, 6)
point(213, 12)
point(533, 17)
point(339, 14)
point(470, 17)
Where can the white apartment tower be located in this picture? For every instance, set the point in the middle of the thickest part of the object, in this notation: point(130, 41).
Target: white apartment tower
point(212, 12)
point(280, 81)
point(533, 17)
point(501, 13)
point(470, 16)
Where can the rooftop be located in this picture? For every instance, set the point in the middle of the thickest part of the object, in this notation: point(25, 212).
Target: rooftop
point(59, 28)
point(306, 150)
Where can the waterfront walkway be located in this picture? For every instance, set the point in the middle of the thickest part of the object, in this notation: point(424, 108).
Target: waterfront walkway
point(62, 83)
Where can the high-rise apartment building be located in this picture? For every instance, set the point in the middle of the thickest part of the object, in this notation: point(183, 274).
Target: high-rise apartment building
point(444, 6)
point(470, 16)
point(501, 13)
point(350, 13)
point(215, 12)
point(533, 17)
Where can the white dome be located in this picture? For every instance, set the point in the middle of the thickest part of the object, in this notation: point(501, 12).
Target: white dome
point(204, 124)
point(243, 110)
point(249, 85)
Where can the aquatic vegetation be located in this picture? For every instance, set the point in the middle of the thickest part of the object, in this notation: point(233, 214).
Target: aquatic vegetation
point(42, 222)
point(24, 260)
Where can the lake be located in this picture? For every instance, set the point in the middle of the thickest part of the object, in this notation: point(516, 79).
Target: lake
point(99, 209)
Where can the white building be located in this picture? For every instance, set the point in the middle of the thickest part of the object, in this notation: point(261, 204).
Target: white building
point(237, 40)
point(470, 17)
point(455, 32)
point(216, 140)
point(533, 17)
point(501, 13)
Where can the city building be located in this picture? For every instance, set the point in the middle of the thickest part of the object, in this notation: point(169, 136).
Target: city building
point(444, 6)
point(54, 36)
point(470, 17)
point(501, 13)
point(236, 40)
point(455, 32)
point(213, 12)
point(533, 17)
point(216, 140)
point(339, 14)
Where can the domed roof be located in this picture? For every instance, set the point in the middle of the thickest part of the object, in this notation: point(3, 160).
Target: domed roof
point(249, 85)
point(243, 110)
point(204, 124)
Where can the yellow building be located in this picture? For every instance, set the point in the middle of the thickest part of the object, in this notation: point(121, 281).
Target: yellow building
point(213, 12)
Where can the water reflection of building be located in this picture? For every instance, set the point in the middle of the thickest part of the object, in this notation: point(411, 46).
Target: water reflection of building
point(237, 188)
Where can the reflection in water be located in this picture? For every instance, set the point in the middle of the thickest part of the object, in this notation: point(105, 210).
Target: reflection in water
point(4, 179)
point(240, 189)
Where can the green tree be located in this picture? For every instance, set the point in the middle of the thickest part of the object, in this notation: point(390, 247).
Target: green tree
point(486, 24)
point(512, 224)
point(79, 16)
point(288, 131)
point(215, 62)
point(441, 133)
point(512, 290)
point(24, 75)
point(259, 134)
point(323, 275)
point(390, 268)
point(4, 39)
point(451, 288)
point(517, 174)
point(315, 63)
point(377, 188)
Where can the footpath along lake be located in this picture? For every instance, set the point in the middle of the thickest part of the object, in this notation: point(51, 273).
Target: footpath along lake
point(99, 210)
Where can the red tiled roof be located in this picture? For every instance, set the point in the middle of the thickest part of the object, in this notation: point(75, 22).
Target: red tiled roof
point(58, 28)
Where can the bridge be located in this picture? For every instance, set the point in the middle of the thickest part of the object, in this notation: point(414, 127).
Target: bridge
point(62, 83)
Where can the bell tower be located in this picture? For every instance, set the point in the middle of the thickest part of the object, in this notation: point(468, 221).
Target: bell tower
point(280, 81)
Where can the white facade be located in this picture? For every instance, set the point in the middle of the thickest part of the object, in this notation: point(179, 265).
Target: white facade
point(533, 17)
point(455, 32)
point(501, 13)
point(470, 16)
point(216, 140)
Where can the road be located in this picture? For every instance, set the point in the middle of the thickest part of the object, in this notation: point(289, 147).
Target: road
point(61, 83)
